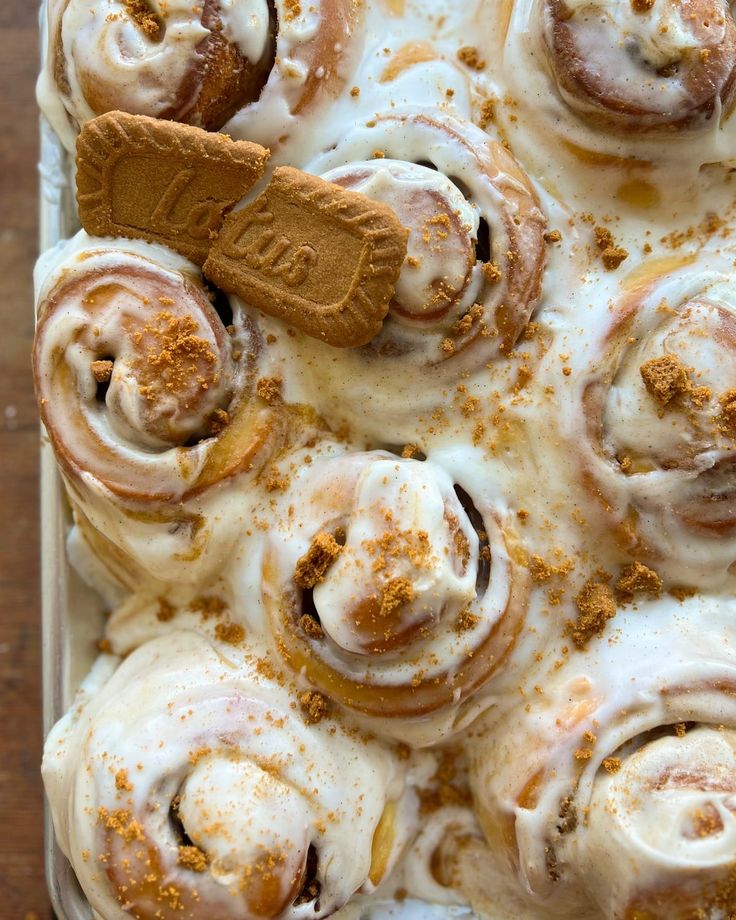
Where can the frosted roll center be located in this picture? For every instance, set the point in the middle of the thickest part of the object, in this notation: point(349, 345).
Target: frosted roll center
point(660, 36)
point(701, 339)
point(125, 59)
point(443, 231)
point(410, 559)
point(242, 816)
point(673, 802)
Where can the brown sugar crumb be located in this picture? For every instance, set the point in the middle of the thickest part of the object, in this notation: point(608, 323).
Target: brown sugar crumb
point(396, 593)
point(192, 858)
point(121, 822)
point(355, 91)
point(665, 378)
point(681, 729)
point(699, 396)
point(491, 272)
point(311, 627)
point(583, 754)
point(552, 236)
point(269, 389)
point(470, 56)
point(312, 566)
point(596, 605)
point(642, 6)
point(102, 371)
point(165, 611)
point(218, 422)
point(232, 633)
point(466, 621)
point(176, 354)
point(638, 578)
point(612, 764)
point(682, 592)
point(293, 9)
point(603, 237)
point(276, 483)
point(487, 113)
point(141, 13)
point(122, 783)
point(611, 254)
point(314, 706)
point(208, 606)
point(727, 418)
point(104, 645)
point(409, 451)
point(541, 571)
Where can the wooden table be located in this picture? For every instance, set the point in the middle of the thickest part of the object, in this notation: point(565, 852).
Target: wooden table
point(22, 885)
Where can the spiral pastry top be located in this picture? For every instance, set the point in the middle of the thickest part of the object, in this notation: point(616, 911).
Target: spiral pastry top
point(659, 405)
point(476, 255)
point(641, 65)
point(149, 402)
point(629, 90)
point(615, 788)
point(197, 62)
point(188, 784)
point(390, 591)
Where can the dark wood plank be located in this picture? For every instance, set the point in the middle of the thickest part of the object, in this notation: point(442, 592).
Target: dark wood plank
point(22, 884)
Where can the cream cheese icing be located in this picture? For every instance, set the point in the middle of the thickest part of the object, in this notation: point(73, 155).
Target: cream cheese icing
point(512, 432)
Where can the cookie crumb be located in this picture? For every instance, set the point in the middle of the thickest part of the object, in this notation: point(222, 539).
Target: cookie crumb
point(102, 371)
point(665, 378)
point(192, 858)
point(596, 606)
point(314, 706)
point(638, 578)
point(312, 566)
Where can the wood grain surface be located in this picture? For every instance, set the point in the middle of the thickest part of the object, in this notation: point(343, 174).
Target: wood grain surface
point(22, 885)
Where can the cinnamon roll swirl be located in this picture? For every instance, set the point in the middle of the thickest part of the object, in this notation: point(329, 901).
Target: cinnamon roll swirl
point(633, 90)
point(390, 592)
point(636, 65)
point(149, 403)
point(196, 62)
point(471, 279)
point(659, 449)
point(187, 783)
point(476, 254)
point(613, 792)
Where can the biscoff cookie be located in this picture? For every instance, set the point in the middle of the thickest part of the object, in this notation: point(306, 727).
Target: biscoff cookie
point(319, 257)
point(161, 181)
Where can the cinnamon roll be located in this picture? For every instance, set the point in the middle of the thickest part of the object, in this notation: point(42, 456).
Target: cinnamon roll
point(634, 90)
point(613, 791)
point(149, 403)
point(189, 783)
point(197, 62)
point(643, 65)
point(659, 446)
point(471, 279)
point(390, 592)
point(476, 254)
